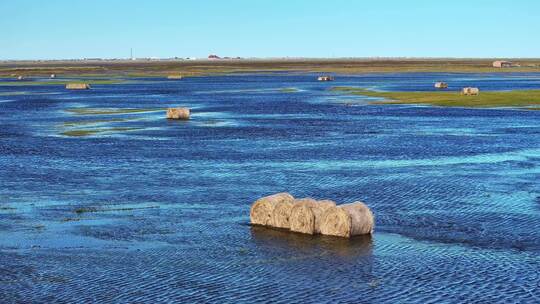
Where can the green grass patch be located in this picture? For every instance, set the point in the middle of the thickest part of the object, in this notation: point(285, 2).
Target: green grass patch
point(90, 132)
point(109, 111)
point(92, 122)
point(12, 93)
point(79, 133)
point(519, 98)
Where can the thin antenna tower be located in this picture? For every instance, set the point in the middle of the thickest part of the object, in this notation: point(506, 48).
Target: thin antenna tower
point(131, 53)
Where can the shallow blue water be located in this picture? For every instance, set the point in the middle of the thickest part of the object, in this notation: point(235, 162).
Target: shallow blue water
point(455, 193)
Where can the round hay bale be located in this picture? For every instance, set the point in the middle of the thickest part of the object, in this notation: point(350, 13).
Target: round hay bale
point(262, 210)
point(325, 204)
point(302, 217)
point(282, 214)
point(319, 211)
point(77, 86)
point(348, 220)
point(178, 113)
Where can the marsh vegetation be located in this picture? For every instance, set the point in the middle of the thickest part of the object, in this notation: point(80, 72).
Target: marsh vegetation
point(519, 98)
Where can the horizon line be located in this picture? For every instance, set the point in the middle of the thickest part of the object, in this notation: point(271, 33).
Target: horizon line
point(262, 58)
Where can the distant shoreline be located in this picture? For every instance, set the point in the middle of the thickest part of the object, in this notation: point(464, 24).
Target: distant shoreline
point(147, 67)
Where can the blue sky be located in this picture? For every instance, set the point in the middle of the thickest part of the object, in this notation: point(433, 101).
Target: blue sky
point(55, 29)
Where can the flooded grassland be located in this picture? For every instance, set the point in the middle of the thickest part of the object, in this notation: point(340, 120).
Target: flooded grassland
point(102, 199)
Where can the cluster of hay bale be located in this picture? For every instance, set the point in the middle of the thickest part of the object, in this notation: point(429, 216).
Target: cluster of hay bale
point(77, 86)
point(309, 216)
point(175, 77)
point(468, 91)
point(178, 113)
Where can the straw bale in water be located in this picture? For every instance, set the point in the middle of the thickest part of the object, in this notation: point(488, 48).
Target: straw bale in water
point(302, 217)
point(470, 91)
point(77, 86)
point(319, 211)
point(325, 78)
point(178, 113)
point(348, 220)
point(262, 210)
point(441, 85)
point(282, 214)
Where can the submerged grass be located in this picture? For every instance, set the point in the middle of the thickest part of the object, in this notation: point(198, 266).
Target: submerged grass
point(12, 93)
point(289, 90)
point(109, 111)
point(82, 210)
point(70, 219)
point(89, 132)
point(78, 133)
point(92, 122)
point(522, 98)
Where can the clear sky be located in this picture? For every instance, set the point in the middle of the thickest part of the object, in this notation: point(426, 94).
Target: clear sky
point(56, 29)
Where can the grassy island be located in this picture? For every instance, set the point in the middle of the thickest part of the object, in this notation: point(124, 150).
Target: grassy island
point(521, 98)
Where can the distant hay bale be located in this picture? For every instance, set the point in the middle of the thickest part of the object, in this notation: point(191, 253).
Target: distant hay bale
point(53, 76)
point(262, 210)
point(77, 86)
point(175, 77)
point(348, 220)
point(20, 77)
point(178, 113)
point(441, 85)
point(325, 78)
point(282, 213)
point(302, 217)
point(469, 91)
